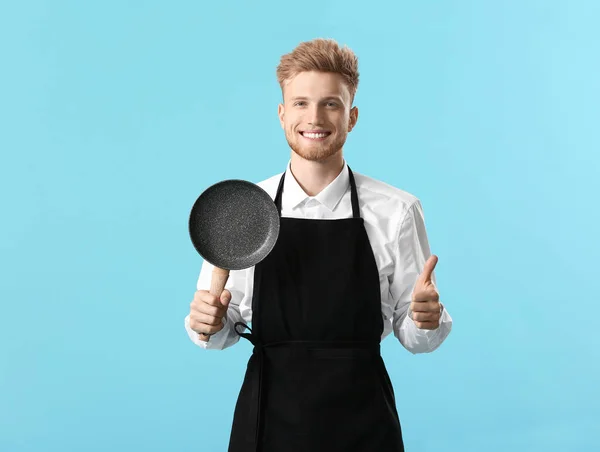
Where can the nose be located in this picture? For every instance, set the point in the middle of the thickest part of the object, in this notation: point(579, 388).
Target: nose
point(315, 116)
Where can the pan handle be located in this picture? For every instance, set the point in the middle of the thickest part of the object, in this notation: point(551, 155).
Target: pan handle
point(217, 285)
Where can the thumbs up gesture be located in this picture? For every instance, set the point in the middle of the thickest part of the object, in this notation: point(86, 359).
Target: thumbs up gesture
point(426, 307)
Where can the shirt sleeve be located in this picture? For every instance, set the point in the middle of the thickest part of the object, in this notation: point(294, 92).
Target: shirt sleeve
point(227, 336)
point(410, 254)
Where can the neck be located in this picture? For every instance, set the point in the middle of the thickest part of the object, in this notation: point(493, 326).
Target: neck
point(314, 176)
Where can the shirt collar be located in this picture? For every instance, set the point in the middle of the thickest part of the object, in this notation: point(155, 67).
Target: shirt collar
point(330, 196)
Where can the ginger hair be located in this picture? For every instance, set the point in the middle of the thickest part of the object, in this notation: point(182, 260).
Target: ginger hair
point(322, 55)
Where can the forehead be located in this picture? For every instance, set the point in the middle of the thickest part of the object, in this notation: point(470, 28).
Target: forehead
point(316, 85)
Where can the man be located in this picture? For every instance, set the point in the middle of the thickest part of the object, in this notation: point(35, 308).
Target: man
point(351, 264)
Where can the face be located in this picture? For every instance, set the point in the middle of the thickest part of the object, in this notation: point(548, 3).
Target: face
point(317, 114)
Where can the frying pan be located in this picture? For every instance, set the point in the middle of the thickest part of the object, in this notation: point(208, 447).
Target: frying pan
point(233, 225)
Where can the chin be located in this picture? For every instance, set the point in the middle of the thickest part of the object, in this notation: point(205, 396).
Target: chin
point(315, 153)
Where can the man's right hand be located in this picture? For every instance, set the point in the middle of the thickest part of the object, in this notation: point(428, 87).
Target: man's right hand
point(207, 311)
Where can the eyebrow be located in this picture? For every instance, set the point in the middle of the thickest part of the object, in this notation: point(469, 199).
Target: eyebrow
point(336, 98)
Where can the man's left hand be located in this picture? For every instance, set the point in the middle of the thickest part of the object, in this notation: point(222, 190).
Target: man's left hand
point(425, 305)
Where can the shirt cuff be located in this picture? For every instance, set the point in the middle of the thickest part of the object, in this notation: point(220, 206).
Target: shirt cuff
point(424, 340)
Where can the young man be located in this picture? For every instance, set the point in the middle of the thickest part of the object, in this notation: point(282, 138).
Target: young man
point(351, 264)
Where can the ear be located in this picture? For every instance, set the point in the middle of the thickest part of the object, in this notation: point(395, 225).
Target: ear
point(281, 114)
point(353, 118)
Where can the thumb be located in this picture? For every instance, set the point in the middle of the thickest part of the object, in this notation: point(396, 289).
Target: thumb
point(428, 269)
point(225, 298)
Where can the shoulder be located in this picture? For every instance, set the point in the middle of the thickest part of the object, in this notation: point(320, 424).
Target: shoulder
point(270, 184)
point(383, 199)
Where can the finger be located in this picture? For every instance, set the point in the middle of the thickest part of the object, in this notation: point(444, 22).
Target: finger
point(206, 319)
point(427, 325)
point(204, 308)
point(425, 306)
point(225, 298)
point(205, 328)
point(426, 316)
point(205, 296)
point(426, 295)
point(209, 329)
point(428, 269)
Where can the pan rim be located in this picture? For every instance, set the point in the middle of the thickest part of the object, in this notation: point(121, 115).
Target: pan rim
point(268, 210)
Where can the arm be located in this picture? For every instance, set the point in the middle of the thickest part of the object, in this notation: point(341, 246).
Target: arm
point(410, 254)
point(227, 336)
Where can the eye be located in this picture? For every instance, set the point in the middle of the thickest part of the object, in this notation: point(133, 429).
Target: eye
point(298, 104)
point(331, 104)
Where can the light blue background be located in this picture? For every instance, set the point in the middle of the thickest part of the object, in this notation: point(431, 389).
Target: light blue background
point(115, 116)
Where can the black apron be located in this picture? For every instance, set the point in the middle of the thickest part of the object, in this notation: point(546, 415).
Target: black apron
point(316, 380)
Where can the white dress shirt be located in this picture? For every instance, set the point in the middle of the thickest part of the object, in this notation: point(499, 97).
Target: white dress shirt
point(395, 225)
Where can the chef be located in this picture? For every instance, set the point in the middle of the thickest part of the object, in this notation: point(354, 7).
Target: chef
point(351, 265)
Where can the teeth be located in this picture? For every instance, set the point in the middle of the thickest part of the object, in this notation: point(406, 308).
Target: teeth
point(315, 135)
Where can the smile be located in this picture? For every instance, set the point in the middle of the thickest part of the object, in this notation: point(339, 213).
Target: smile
point(315, 135)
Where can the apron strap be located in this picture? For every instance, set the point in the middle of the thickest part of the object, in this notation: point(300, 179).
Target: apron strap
point(251, 337)
point(353, 194)
point(258, 350)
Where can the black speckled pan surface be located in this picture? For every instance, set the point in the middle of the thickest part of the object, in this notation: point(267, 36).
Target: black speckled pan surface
point(234, 224)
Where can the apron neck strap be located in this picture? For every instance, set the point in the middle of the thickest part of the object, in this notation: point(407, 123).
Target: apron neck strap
point(353, 194)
